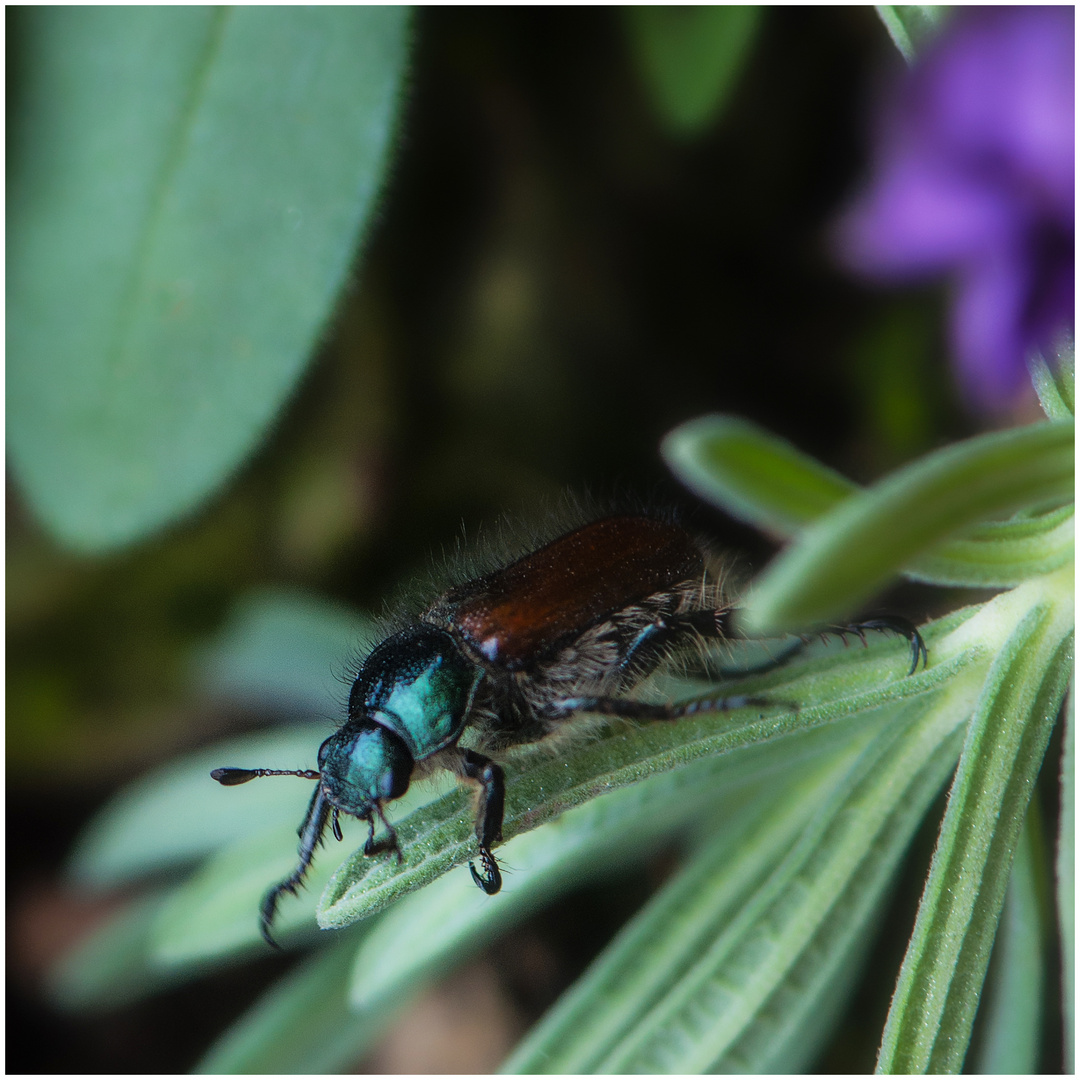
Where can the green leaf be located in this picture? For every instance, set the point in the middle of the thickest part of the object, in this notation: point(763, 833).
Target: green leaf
point(929, 1023)
point(911, 25)
point(1055, 388)
point(1000, 554)
point(111, 967)
point(847, 555)
point(187, 190)
point(303, 1023)
point(216, 911)
point(1013, 999)
point(690, 58)
point(539, 788)
point(652, 951)
point(754, 475)
point(283, 650)
point(177, 813)
point(736, 966)
point(1065, 866)
point(429, 928)
point(766, 482)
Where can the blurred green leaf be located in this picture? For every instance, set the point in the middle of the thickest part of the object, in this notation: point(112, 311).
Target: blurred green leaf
point(303, 1023)
point(283, 651)
point(844, 557)
point(690, 58)
point(215, 912)
point(930, 1019)
point(1013, 998)
point(754, 475)
point(111, 967)
point(999, 554)
point(187, 190)
point(766, 482)
point(177, 813)
point(911, 25)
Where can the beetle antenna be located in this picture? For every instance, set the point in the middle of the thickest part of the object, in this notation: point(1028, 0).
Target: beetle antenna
point(232, 777)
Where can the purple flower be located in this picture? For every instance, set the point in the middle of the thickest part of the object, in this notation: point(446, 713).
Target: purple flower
point(974, 176)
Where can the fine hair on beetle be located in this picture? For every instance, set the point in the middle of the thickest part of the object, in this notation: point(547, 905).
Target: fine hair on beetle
point(524, 640)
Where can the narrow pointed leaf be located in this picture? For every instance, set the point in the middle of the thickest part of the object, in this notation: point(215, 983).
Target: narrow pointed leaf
point(1013, 999)
point(741, 998)
point(216, 911)
point(1001, 554)
point(929, 1023)
point(911, 25)
point(177, 813)
point(752, 474)
point(840, 561)
point(689, 59)
point(303, 1023)
point(766, 482)
point(1054, 388)
point(649, 954)
point(187, 189)
point(429, 928)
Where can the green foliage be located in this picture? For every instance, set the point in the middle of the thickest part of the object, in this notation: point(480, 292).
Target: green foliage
point(173, 255)
point(690, 58)
point(1015, 1013)
point(794, 821)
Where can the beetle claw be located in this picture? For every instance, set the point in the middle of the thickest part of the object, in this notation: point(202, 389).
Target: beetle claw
point(491, 879)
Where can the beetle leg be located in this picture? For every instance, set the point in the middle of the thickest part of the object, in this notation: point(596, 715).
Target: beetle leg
point(887, 624)
point(310, 835)
point(386, 843)
point(489, 819)
point(718, 624)
point(335, 825)
point(648, 647)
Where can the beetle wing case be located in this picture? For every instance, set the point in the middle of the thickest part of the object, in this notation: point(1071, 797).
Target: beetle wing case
point(528, 609)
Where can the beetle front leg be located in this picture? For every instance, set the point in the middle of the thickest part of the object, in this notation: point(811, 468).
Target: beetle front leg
point(388, 843)
point(311, 831)
point(489, 819)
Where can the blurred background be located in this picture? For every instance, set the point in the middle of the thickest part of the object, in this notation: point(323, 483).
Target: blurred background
point(560, 269)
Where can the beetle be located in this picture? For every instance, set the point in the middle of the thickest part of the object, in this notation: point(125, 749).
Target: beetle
point(513, 654)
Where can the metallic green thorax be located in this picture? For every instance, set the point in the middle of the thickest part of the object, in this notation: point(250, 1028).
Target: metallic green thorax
point(418, 685)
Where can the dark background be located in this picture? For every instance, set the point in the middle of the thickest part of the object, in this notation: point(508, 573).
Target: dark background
point(552, 282)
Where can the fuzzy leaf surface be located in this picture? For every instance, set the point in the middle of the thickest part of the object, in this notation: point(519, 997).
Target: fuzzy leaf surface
point(844, 557)
point(766, 482)
point(930, 1019)
point(187, 190)
point(1013, 998)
